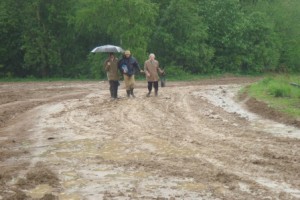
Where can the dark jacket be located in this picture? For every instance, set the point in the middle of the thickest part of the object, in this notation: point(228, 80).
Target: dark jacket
point(130, 64)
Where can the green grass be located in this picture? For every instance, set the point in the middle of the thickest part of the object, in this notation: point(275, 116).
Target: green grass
point(278, 93)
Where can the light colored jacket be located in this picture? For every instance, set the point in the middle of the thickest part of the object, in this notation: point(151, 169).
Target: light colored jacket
point(112, 69)
point(151, 68)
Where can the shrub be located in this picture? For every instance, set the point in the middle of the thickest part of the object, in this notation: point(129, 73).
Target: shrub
point(279, 89)
point(176, 73)
point(267, 80)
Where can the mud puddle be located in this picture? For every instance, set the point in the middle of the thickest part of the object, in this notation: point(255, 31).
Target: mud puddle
point(225, 96)
point(64, 136)
point(191, 142)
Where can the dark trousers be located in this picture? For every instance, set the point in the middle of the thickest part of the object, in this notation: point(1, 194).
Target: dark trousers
point(113, 87)
point(155, 84)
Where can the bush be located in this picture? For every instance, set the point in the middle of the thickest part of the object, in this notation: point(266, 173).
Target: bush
point(176, 73)
point(267, 80)
point(278, 89)
point(279, 86)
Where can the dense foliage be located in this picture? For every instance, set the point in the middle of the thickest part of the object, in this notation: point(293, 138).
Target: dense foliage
point(53, 38)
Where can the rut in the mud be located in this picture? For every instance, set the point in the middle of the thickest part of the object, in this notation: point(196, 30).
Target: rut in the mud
point(194, 141)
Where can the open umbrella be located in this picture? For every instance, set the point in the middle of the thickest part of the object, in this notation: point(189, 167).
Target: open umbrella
point(108, 49)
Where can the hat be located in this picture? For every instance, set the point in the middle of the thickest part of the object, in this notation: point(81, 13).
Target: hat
point(127, 52)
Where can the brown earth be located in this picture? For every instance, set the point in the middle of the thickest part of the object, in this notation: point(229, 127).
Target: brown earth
point(196, 140)
point(264, 110)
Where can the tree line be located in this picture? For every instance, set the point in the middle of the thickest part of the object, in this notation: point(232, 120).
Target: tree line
point(53, 38)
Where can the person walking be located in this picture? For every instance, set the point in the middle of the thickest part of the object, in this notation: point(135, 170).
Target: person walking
point(111, 67)
point(128, 66)
point(151, 68)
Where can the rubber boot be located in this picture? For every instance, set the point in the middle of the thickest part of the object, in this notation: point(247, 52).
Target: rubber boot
point(111, 91)
point(115, 91)
point(148, 95)
point(131, 92)
point(156, 93)
point(128, 93)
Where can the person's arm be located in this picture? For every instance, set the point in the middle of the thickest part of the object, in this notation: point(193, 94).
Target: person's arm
point(146, 69)
point(106, 65)
point(120, 66)
point(162, 72)
point(136, 64)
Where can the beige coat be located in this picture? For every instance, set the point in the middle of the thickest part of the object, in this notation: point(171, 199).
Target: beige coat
point(151, 69)
point(111, 67)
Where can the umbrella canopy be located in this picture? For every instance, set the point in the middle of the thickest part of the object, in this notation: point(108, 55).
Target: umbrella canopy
point(108, 49)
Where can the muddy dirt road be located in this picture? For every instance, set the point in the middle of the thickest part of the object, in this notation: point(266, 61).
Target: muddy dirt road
point(196, 140)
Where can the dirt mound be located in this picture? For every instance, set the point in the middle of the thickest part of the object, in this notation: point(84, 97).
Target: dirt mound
point(40, 174)
point(264, 110)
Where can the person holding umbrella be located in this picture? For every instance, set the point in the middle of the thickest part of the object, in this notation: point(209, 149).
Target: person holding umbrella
point(128, 66)
point(111, 67)
point(151, 68)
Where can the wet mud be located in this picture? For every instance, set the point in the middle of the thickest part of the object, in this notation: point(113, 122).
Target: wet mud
point(196, 140)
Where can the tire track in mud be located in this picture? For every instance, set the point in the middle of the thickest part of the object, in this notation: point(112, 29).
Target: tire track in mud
point(140, 141)
point(233, 140)
point(175, 146)
point(190, 122)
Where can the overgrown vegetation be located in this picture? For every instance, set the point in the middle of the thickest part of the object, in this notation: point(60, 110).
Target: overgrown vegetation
point(280, 92)
point(42, 38)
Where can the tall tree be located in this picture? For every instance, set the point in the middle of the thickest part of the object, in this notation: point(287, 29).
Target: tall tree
point(261, 44)
point(285, 16)
point(225, 22)
point(45, 35)
point(242, 41)
point(126, 23)
point(53, 38)
point(11, 56)
point(181, 36)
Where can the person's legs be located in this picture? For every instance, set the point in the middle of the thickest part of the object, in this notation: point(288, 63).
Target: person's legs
point(131, 92)
point(115, 89)
point(111, 87)
point(149, 88)
point(156, 87)
point(132, 82)
point(127, 84)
